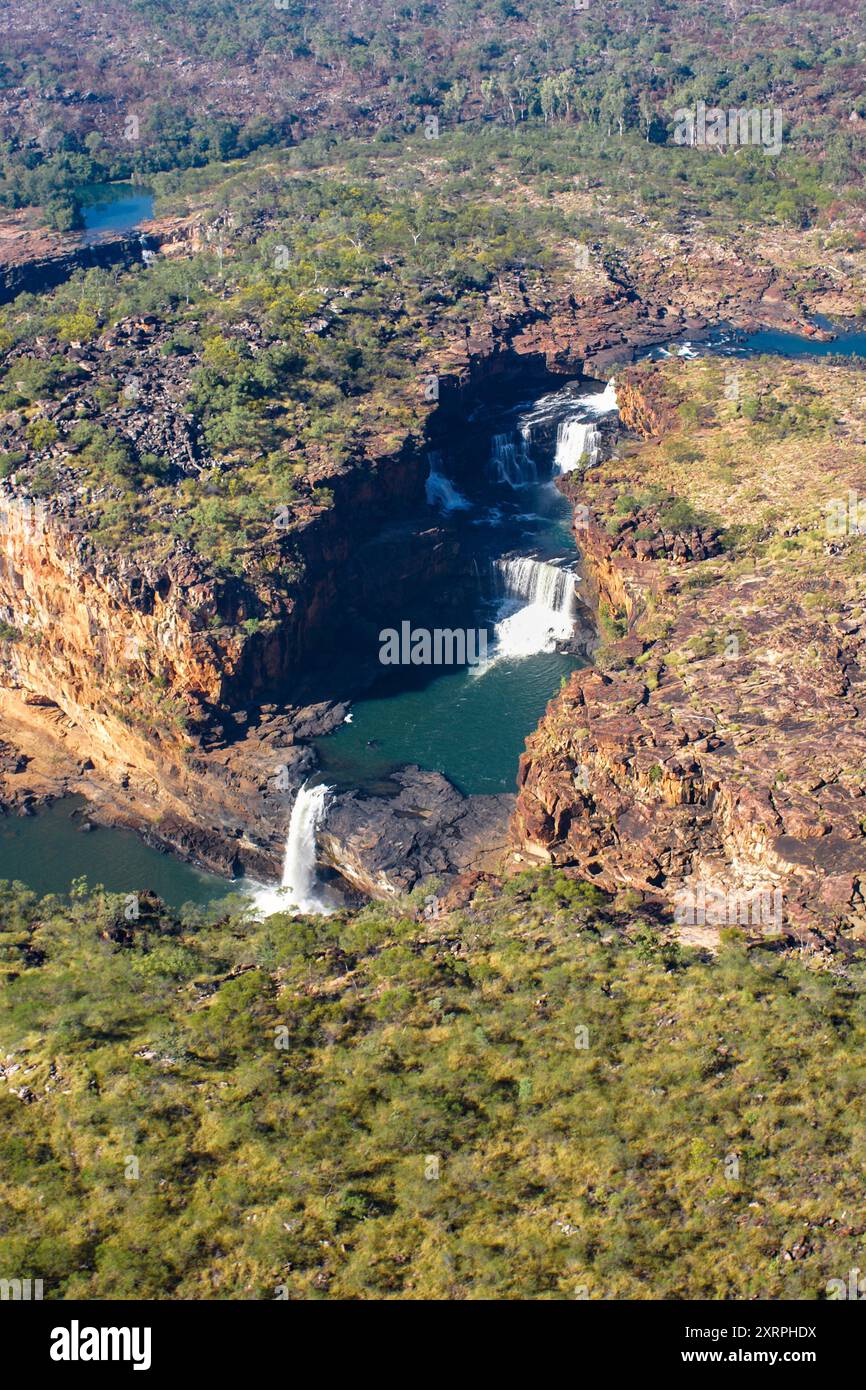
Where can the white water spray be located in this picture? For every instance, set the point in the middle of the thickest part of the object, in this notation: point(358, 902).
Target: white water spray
point(578, 440)
point(510, 460)
point(440, 490)
point(578, 444)
point(537, 610)
point(603, 402)
point(299, 891)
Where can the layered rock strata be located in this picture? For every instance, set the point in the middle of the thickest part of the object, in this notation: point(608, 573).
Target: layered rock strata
point(718, 752)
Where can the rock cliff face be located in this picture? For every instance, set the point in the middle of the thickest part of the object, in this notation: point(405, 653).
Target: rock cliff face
point(138, 685)
point(171, 699)
point(718, 753)
point(106, 672)
point(36, 259)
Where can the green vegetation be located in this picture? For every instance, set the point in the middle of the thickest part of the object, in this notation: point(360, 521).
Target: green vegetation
point(313, 69)
point(606, 1111)
point(334, 278)
point(297, 341)
point(543, 1094)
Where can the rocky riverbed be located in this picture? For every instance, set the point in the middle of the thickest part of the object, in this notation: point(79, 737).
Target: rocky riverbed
point(148, 683)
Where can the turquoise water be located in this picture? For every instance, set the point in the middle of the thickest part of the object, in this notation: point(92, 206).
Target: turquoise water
point(470, 727)
point(848, 342)
point(113, 208)
point(471, 723)
point(49, 850)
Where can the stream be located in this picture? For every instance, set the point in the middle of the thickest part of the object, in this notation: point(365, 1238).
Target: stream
point(468, 721)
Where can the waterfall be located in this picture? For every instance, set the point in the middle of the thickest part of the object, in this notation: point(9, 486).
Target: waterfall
point(510, 460)
point(537, 582)
point(298, 890)
point(603, 402)
point(440, 490)
point(537, 609)
point(578, 442)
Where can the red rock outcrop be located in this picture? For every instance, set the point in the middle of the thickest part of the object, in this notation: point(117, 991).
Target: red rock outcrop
point(153, 672)
point(721, 745)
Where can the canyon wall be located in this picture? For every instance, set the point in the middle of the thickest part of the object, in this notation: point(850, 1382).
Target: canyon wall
point(144, 687)
point(34, 259)
point(107, 672)
point(718, 748)
point(170, 698)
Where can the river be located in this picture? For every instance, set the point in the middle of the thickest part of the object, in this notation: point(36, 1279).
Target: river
point(468, 722)
point(111, 209)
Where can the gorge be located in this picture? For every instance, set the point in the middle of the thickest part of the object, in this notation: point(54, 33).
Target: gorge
point(461, 526)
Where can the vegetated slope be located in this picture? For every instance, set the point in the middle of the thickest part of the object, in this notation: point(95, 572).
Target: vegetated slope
point(292, 333)
point(133, 88)
point(720, 736)
point(534, 1096)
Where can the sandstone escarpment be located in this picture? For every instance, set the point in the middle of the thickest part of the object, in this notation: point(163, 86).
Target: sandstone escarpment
point(143, 685)
point(720, 743)
point(33, 259)
point(170, 692)
point(107, 674)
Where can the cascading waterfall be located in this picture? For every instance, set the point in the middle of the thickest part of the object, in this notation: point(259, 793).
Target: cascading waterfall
point(603, 402)
point(578, 440)
point(538, 607)
point(516, 579)
point(578, 443)
point(510, 460)
point(440, 490)
point(299, 890)
point(536, 581)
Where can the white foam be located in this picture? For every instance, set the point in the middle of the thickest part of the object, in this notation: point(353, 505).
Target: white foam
point(299, 890)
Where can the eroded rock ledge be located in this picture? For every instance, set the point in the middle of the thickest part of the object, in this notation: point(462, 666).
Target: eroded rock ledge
point(721, 741)
point(426, 831)
point(148, 684)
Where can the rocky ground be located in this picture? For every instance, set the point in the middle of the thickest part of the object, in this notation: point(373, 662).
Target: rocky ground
point(718, 740)
point(426, 832)
point(176, 744)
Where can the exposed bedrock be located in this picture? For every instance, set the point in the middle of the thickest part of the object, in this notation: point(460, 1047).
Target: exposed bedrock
point(179, 702)
point(37, 259)
point(723, 743)
point(137, 685)
point(385, 845)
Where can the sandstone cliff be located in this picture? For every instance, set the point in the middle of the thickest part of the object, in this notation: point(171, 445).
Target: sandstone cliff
point(168, 693)
point(720, 742)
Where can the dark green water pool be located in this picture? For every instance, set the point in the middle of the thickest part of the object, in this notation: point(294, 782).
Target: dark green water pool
point(48, 851)
point(470, 725)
